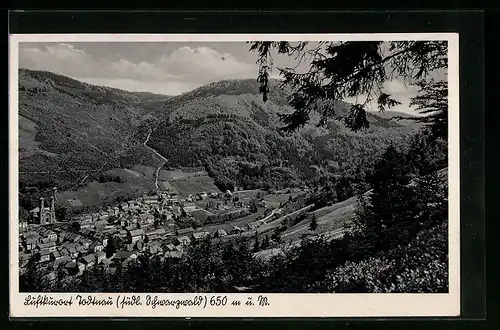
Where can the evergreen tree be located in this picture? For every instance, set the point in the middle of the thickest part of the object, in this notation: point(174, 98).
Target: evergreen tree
point(265, 243)
point(432, 199)
point(387, 217)
point(432, 103)
point(30, 281)
point(61, 213)
point(427, 153)
point(110, 247)
point(256, 246)
point(313, 225)
point(253, 206)
point(338, 70)
point(60, 283)
point(276, 236)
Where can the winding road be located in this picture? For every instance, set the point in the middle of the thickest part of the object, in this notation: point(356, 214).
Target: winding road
point(157, 173)
point(270, 215)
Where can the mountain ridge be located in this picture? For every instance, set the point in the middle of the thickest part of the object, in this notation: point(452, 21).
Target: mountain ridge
point(67, 125)
point(60, 79)
point(227, 123)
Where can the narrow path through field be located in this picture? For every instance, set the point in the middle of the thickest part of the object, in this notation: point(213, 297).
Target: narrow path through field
point(270, 215)
point(164, 160)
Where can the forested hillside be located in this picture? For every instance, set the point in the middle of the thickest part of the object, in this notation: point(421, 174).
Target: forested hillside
point(226, 128)
point(370, 214)
point(69, 131)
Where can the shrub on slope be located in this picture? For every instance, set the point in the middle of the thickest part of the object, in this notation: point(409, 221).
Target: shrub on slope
point(420, 266)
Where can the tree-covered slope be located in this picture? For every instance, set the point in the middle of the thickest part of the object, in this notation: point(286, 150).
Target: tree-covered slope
point(69, 129)
point(228, 129)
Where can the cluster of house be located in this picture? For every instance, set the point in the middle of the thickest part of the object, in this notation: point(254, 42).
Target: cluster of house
point(132, 226)
point(76, 251)
point(117, 235)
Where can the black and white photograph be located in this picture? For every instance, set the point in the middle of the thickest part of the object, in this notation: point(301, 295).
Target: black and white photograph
point(212, 166)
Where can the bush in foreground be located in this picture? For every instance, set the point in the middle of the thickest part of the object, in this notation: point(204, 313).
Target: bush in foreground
point(420, 266)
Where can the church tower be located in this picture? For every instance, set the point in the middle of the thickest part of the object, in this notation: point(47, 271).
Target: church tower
point(43, 215)
point(52, 210)
point(41, 207)
point(53, 205)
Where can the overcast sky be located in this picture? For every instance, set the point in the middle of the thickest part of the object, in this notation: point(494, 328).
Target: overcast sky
point(169, 68)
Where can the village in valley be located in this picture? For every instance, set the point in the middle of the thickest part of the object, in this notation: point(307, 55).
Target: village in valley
point(157, 167)
point(159, 224)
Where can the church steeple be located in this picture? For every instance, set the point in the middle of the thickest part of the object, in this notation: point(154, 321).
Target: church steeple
point(52, 210)
point(41, 206)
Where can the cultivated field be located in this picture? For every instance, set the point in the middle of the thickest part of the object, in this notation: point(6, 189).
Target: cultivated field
point(274, 200)
point(146, 171)
point(193, 185)
point(200, 215)
point(246, 195)
point(228, 226)
point(165, 175)
point(330, 219)
point(166, 186)
point(95, 193)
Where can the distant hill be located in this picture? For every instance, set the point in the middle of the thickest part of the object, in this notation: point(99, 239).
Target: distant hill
point(69, 129)
point(71, 132)
point(393, 114)
point(234, 87)
point(147, 96)
point(401, 118)
point(228, 129)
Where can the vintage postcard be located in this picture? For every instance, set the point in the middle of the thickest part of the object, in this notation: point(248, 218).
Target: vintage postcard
point(233, 175)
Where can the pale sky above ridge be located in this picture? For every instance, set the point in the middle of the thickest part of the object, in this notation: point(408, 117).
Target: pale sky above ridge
point(169, 68)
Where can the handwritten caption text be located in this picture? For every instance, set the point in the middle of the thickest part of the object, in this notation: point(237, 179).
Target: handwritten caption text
point(152, 301)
